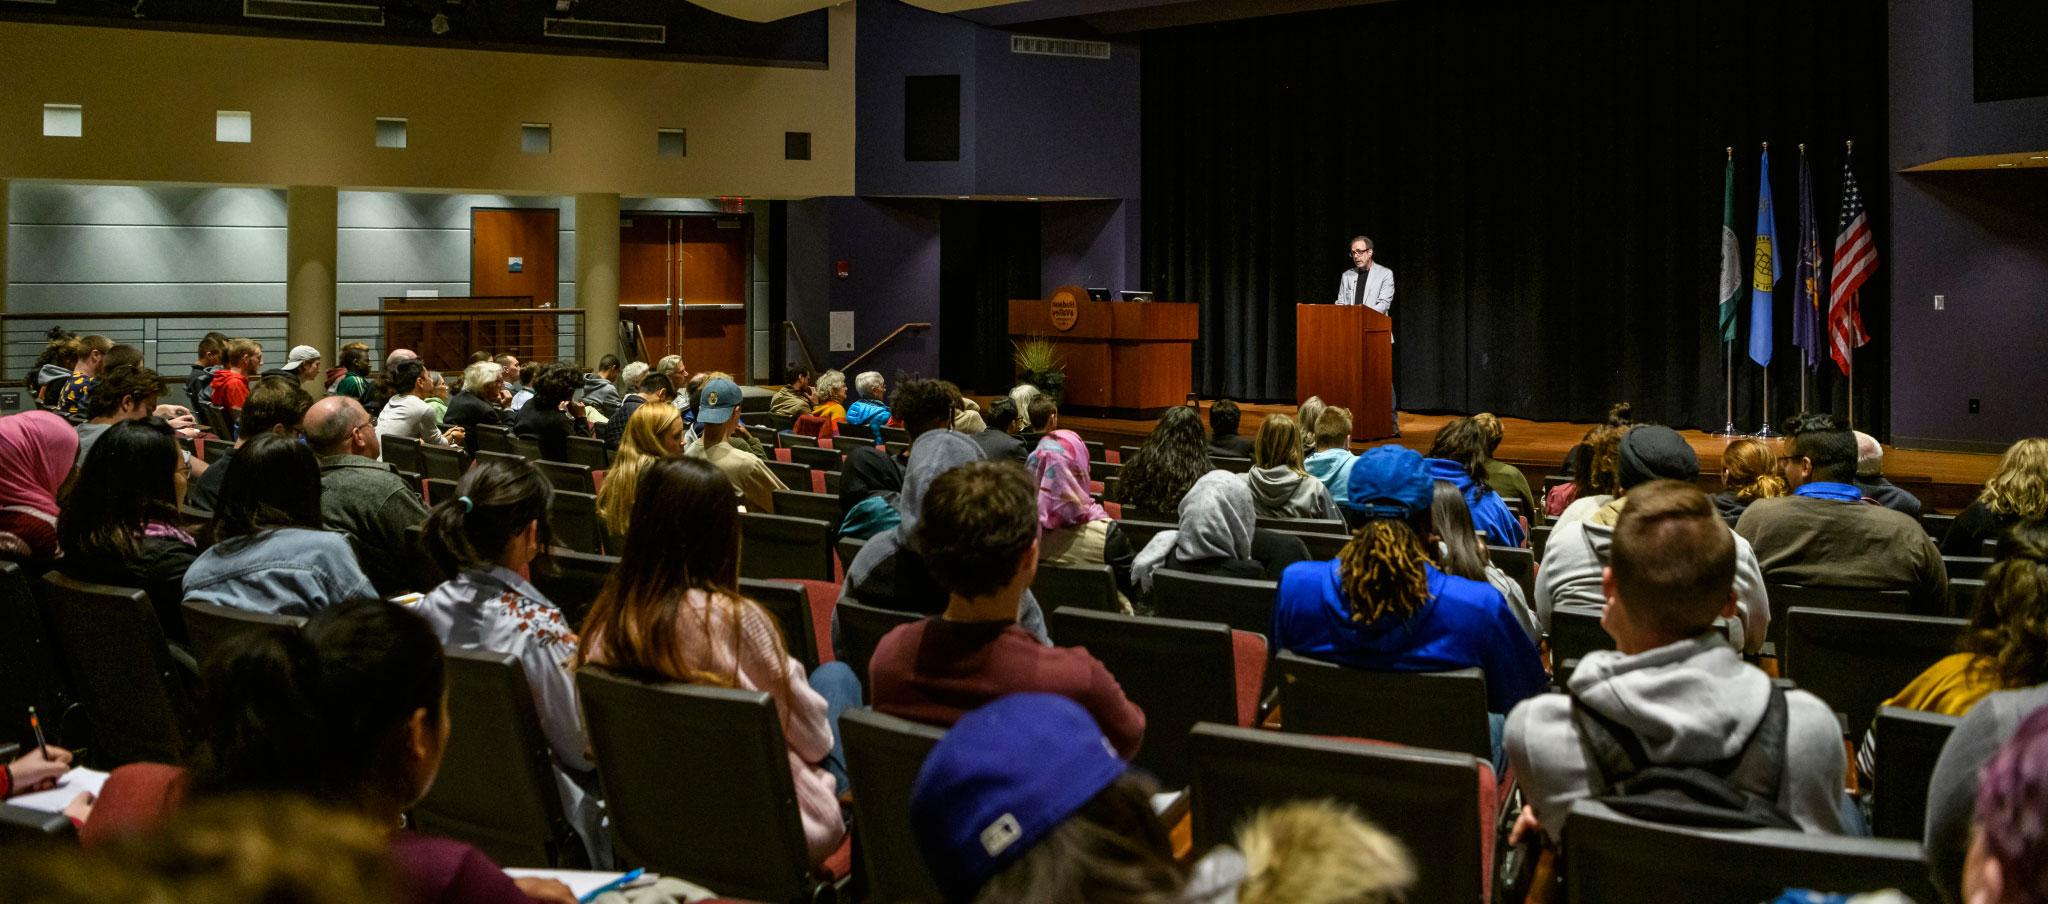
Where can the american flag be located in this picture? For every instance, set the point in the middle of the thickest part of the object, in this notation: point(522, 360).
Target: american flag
point(1855, 258)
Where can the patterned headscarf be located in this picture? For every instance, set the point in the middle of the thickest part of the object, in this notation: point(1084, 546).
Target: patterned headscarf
point(1061, 465)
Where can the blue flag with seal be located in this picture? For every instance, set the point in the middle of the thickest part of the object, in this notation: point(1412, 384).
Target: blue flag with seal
point(1763, 275)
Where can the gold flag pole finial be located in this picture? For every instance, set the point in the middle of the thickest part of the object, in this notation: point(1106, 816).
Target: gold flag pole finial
point(1731, 152)
point(1802, 147)
point(1849, 145)
point(1767, 145)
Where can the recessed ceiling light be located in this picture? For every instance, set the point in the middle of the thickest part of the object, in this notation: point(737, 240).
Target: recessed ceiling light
point(1030, 199)
point(2039, 157)
point(2008, 164)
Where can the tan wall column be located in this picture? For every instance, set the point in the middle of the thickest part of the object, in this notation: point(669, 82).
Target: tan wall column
point(310, 225)
point(597, 274)
point(6, 218)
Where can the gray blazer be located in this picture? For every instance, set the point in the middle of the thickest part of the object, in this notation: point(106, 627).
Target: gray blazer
point(1379, 288)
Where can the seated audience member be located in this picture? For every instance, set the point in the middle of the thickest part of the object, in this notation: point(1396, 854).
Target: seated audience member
point(512, 370)
point(870, 475)
point(407, 414)
point(383, 388)
point(123, 355)
point(1504, 478)
point(1042, 416)
point(676, 612)
point(2004, 648)
point(869, 408)
point(1383, 604)
point(437, 398)
point(1223, 439)
point(652, 387)
point(717, 410)
point(631, 375)
point(273, 407)
point(125, 394)
point(1749, 470)
point(599, 388)
point(1309, 416)
point(795, 397)
point(551, 417)
point(654, 432)
point(1458, 455)
point(1461, 553)
point(1320, 852)
point(120, 525)
point(1076, 530)
point(351, 713)
point(1870, 478)
point(488, 537)
point(1574, 561)
point(351, 375)
point(231, 384)
point(1953, 793)
point(476, 404)
point(1672, 689)
point(199, 380)
point(967, 421)
point(831, 397)
point(361, 496)
point(37, 452)
point(979, 536)
point(1331, 462)
point(36, 770)
point(1823, 535)
point(740, 438)
point(85, 373)
point(891, 571)
point(2017, 491)
point(1023, 801)
point(1594, 465)
point(2008, 842)
point(1281, 486)
point(1173, 457)
point(302, 363)
point(53, 367)
point(998, 436)
point(1217, 535)
point(270, 553)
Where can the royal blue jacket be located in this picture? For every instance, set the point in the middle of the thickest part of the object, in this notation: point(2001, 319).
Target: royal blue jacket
point(1490, 516)
point(1466, 623)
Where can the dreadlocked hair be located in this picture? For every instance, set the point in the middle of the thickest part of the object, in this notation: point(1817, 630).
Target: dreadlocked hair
point(1383, 571)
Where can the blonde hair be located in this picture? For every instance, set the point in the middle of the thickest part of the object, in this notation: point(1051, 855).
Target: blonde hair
point(1278, 444)
point(1752, 470)
point(640, 447)
point(238, 349)
point(1333, 428)
point(1320, 852)
point(2019, 487)
point(1310, 414)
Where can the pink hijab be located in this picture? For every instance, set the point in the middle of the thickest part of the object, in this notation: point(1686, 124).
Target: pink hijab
point(1061, 465)
point(37, 450)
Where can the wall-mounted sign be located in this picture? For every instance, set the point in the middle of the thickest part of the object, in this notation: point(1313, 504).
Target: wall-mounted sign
point(515, 265)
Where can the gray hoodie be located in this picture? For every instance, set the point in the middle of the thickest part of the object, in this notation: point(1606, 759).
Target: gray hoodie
point(1282, 492)
point(1694, 701)
point(1577, 552)
point(599, 393)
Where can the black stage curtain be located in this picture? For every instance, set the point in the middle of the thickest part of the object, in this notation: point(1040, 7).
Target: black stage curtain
point(988, 254)
point(1543, 178)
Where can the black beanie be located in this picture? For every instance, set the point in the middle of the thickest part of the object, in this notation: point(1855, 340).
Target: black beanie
point(1654, 452)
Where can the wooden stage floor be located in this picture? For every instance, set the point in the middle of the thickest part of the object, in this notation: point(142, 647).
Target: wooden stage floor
point(1946, 481)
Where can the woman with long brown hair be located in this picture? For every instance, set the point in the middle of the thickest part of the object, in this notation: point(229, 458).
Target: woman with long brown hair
point(675, 613)
point(1749, 470)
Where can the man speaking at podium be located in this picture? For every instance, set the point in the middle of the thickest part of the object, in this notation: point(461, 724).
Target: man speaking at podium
point(1371, 285)
point(1366, 283)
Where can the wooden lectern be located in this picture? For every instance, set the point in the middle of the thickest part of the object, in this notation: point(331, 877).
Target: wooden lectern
point(1345, 354)
point(1132, 358)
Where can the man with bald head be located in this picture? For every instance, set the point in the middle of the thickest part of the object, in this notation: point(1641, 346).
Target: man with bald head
point(361, 496)
point(1870, 479)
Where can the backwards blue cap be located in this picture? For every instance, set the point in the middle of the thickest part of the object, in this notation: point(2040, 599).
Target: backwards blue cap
point(1390, 482)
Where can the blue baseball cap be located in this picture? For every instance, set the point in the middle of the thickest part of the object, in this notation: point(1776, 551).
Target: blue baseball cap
point(1003, 778)
point(1390, 482)
point(717, 401)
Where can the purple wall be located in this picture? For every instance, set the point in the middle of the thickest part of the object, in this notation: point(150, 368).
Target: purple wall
point(1085, 243)
point(892, 251)
point(1055, 126)
point(892, 41)
point(1978, 238)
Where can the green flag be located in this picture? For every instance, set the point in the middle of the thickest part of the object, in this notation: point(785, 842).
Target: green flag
point(1731, 262)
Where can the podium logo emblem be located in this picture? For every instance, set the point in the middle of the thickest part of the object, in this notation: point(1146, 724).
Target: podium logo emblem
point(1064, 309)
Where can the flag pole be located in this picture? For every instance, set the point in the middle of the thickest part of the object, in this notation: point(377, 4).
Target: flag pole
point(1728, 366)
point(1849, 147)
point(1803, 407)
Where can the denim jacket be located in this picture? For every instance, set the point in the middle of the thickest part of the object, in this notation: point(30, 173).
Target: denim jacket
point(285, 571)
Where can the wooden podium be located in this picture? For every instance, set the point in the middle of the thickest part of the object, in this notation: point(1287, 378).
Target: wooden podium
point(1127, 357)
point(1345, 354)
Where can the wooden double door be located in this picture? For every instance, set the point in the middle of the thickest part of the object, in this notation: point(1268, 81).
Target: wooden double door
point(683, 279)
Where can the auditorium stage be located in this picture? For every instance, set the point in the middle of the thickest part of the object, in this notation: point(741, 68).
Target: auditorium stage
point(1945, 481)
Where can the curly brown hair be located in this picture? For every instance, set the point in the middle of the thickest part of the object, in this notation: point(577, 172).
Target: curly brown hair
point(2009, 628)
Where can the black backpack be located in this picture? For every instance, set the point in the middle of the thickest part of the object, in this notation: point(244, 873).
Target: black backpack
point(1740, 792)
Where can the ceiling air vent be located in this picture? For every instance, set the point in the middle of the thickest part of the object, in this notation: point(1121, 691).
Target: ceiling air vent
point(313, 11)
point(590, 30)
point(1061, 47)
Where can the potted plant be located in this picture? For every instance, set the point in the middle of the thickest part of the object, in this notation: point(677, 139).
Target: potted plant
point(1040, 364)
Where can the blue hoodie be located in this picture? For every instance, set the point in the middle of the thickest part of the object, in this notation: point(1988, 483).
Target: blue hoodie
point(1333, 468)
point(1490, 516)
point(1465, 624)
point(867, 413)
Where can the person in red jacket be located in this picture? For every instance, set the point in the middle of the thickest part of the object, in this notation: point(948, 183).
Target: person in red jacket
point(231, 383)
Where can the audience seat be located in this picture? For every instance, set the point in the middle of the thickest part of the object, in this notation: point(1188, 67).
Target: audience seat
point(1857, 660)
point(1231, 463)
point(564, 476)
point(209, 625)
point(483, 456)
point(1519, 564)
point(1104, 471)
point(1611, 857)
point(827, 482)
point(572, 580)
point(29, 673)
point(861, 629)
point(589, 452)
point(1079, 586)
point(1970, 567)
point(491, 438)
point(810, 425)
point(1141, 529)
point(861, 434)
point(1179, 672)
point(438, 491)
point(1573, 634)
point(782, 546)
point(896, 450)
point(1320, 545)
point(1784, 596)
point(696, 781)
point(23, 830)
point(496, 788)
point(846, 549)
point(1516, 508)
point(800, 503)
point(1539, 537)
point(401, 452)
point(1242, 603)
point(883, 756)
point(790, 439)
point(216, 420)
point(792, 475)
point(1443, 807)
point(1306, 525)
point(572, 517)
point(1908, 742)
point(442, 462)
point(821, 458)
point(790, 604)
point(758, 420)
point(894, 434)
point(135, 693)
point(1937, 525)
point(1096, 451)
point(1434, 710)
point(525, 447)
point(1962, 595)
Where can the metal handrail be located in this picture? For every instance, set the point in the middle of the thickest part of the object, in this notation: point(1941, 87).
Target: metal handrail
point(906, 328)
point(810, 360)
